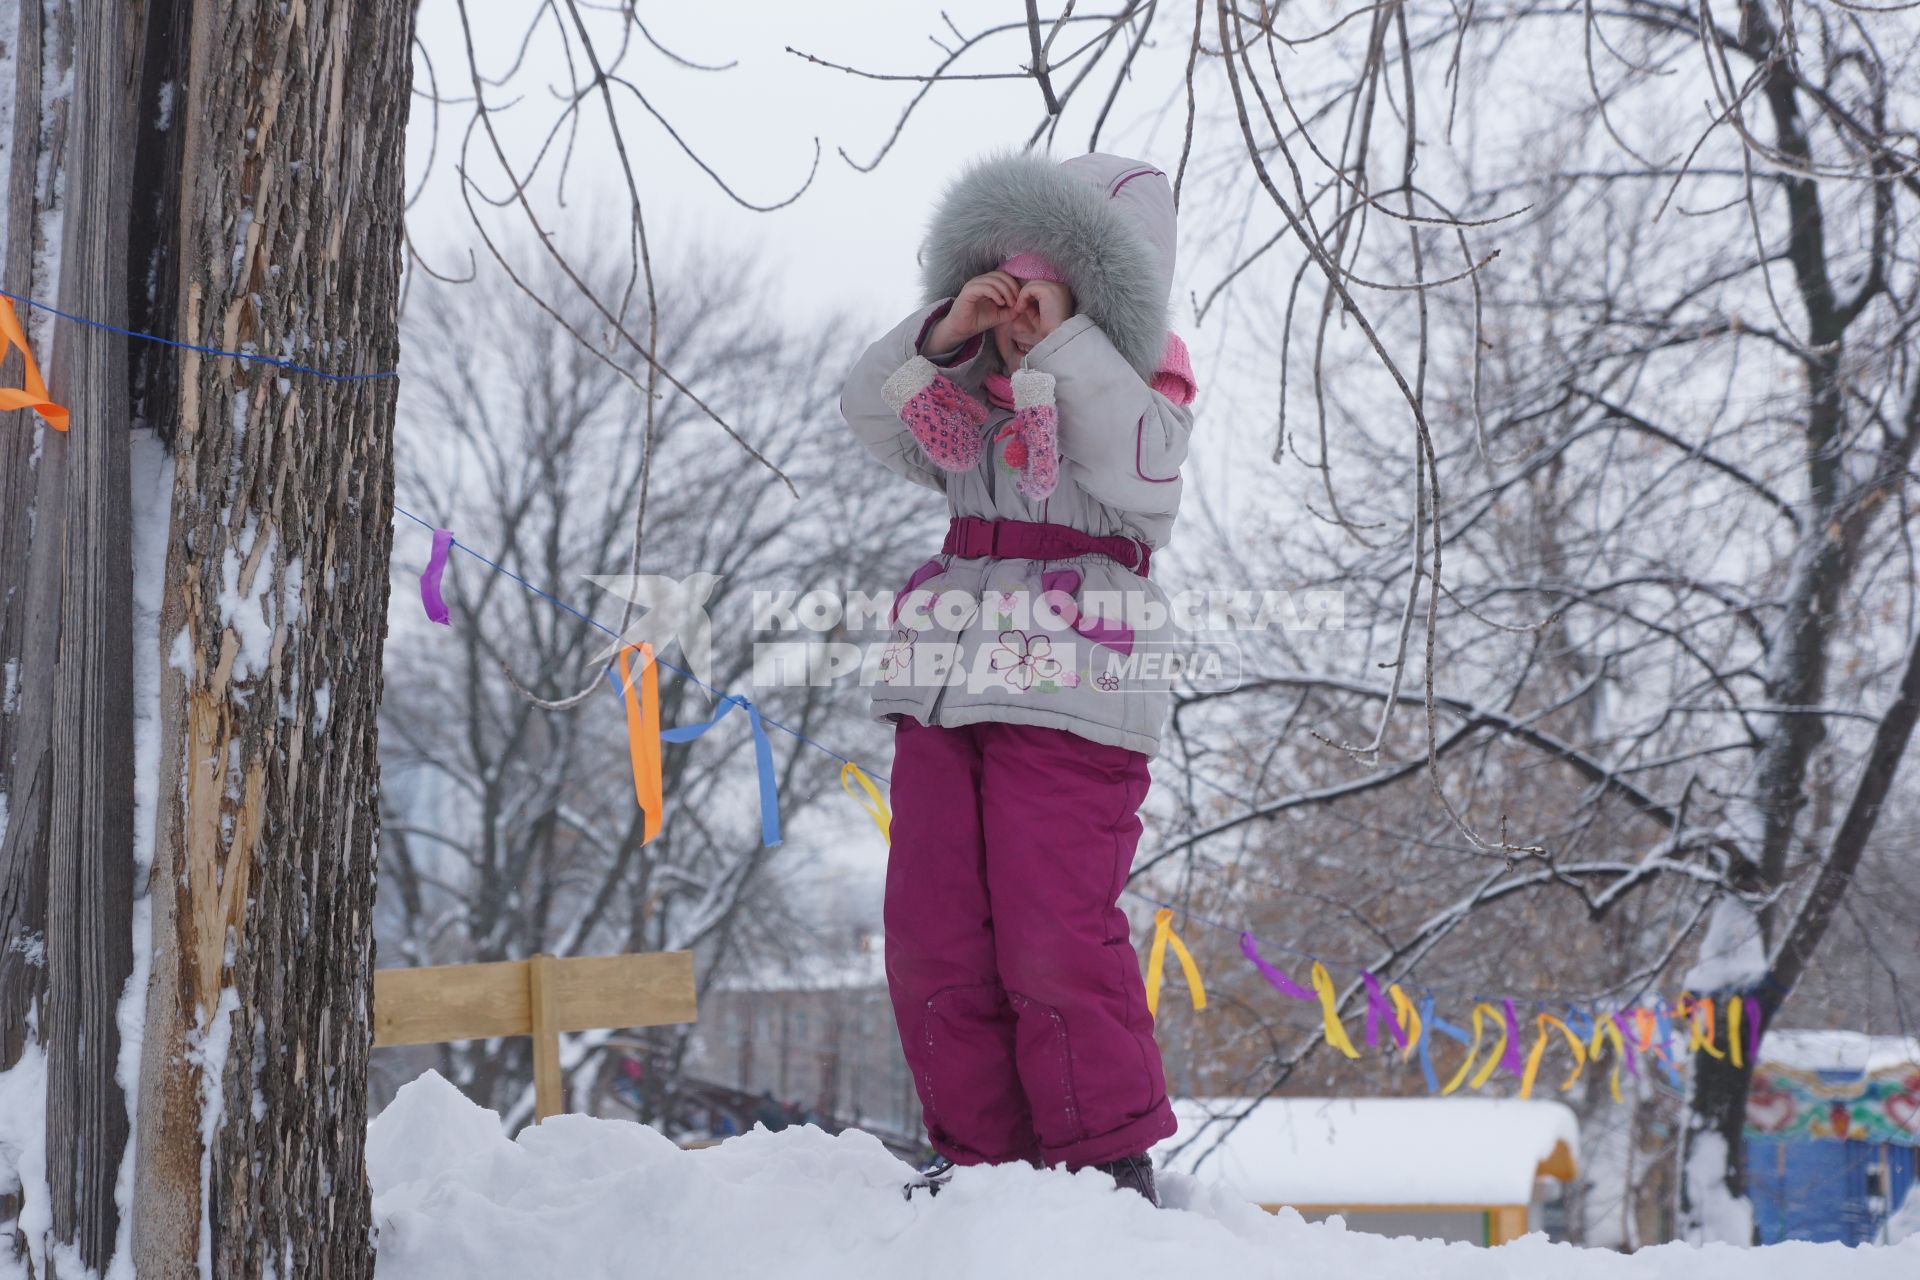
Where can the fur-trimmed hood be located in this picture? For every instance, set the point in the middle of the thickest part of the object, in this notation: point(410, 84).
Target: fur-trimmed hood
point(1106, 222)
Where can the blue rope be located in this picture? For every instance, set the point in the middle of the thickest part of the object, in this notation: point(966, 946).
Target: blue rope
point(289, 365)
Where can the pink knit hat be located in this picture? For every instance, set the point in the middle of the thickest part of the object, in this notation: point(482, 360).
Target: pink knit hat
point(1031, 266)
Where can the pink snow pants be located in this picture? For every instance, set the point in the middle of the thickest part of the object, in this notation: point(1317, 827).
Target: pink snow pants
point(1014, 982)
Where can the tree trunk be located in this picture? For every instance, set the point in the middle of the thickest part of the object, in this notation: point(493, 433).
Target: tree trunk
point(89, 948)
point(29, 570)
point(258, 1021)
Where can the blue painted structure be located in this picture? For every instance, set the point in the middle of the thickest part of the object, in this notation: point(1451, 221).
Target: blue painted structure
point(1818, 1188)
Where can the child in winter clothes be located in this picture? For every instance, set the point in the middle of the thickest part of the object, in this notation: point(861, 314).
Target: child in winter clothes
point(1039, 390)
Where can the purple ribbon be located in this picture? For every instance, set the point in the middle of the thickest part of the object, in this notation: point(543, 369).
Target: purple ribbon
point(430, 580)
point(1626, 1039)
point(1754, 1015)
point(1379, 1007)
point(1510, 1061)
point(1281, 982)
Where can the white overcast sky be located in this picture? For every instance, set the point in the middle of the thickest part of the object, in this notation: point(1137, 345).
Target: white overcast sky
point(850, 239)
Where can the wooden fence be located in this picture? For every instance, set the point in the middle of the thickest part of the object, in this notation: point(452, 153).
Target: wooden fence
point(538, 997)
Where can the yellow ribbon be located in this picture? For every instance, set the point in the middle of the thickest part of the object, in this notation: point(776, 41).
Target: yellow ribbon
point(34, 395)
point(1330, 1011)
point(1480, 1013)
point(1604, 1028)
point(1702, 1010)
point(643, 735)
point(1544, 1022)
point(874, 803)
point(1409, 1019)
point(1734, 1009)
point(1163, 937)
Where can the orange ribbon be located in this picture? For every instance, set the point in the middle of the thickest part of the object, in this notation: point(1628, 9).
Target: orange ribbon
point(1702, 1011)
point(643, 734)
point(34, 395)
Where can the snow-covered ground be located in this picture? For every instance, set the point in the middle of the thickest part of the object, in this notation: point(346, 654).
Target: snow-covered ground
point(456, 1200)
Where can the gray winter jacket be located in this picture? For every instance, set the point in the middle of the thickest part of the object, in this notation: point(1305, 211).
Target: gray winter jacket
point(1078, 643)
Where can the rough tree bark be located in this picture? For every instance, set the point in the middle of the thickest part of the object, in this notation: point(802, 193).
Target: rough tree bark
point(29, 568)
point(89, 947)
point(289, 239)
point(233, 172)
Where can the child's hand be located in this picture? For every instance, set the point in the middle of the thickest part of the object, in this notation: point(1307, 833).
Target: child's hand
point(983, 302)
point(1050, 301)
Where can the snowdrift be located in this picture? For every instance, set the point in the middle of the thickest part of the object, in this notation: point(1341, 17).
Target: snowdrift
point(581, 1198)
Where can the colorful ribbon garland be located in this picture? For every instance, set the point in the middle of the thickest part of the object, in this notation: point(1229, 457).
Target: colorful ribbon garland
point(1164, 937)
point(34, 394)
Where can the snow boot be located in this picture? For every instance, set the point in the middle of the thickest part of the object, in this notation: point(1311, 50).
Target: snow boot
point(1134, 1173)
point(934, 1174)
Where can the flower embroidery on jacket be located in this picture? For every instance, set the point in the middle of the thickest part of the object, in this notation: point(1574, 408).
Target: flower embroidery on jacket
point(1108, 681)
point(1021, 658)
point(897, 656)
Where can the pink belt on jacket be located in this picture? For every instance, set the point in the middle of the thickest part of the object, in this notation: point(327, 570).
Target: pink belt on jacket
point(971, 537)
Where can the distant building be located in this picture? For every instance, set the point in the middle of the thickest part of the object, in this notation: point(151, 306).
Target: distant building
point(816, 1036)
point(1476, 1170)
point(1833, 1128)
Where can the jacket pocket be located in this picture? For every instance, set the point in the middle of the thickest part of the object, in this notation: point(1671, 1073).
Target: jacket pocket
point(1115, 635)
point(931, 569)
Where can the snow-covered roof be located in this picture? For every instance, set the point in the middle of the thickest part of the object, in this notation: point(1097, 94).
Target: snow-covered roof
point(845, 971)
point(1852, 1051)
point(1376, 1151)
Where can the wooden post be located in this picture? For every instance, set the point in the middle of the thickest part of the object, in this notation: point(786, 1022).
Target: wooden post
point(1506, 1222)
point(549, 1095)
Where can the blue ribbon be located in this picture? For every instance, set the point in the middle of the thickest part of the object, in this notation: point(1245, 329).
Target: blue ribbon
point(1433, 1024)
point(762, 753)
point(1666, 1043)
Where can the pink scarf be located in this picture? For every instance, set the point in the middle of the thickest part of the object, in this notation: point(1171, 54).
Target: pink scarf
point(1174, 378)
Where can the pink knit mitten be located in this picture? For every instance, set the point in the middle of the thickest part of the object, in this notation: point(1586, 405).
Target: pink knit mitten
point(1034, 450)
point(943, 418)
